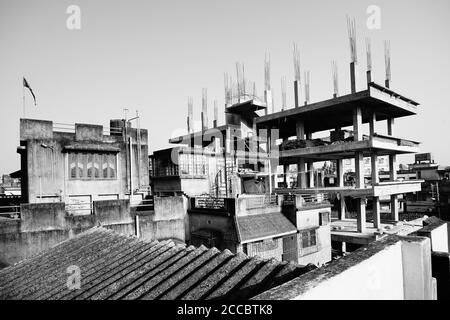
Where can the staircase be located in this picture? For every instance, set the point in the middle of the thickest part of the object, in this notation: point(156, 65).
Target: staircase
point(218, 187)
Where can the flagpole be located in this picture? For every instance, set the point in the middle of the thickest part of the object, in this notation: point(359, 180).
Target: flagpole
point(23, 99)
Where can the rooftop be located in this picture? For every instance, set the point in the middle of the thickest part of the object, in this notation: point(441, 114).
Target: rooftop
point(256, 227)
point(114, 266)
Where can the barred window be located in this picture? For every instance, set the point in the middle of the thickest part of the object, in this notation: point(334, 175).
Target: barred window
point(193, 164)
point(91, 166)
point(308, 238)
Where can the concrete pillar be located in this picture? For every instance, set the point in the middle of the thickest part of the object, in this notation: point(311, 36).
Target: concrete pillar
point(359, 170)
point(268, 99)
point(373, 120)
point(393, 173)
point(394, 207)
point(341, 212)
point(301, 176)
point(352, 77)
point(310, 167)
point(392, 167)
point(357, 124)
point(376, 212)
point(390, 127)
point(361, 215)
point(285, 173)
point(344, 247)
point(374, 165)
point(340, 172)
point(297, 88)
point(300, 129)
point(417, 272)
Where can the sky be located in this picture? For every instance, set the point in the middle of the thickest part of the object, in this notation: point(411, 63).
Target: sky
point(151, 56)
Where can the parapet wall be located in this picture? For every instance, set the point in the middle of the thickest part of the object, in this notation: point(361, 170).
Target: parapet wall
point(44, 225)
point(394, 268)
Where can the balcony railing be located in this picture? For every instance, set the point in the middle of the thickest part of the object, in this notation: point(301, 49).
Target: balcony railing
point(260, 201)
point(11, 212)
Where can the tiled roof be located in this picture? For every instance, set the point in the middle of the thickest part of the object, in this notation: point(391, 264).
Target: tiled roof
point(260, 226)
point(114, 266)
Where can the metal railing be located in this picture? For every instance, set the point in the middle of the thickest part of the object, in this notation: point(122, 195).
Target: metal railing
point(64, 127)
point(86, 208)
point(260, 201)
point(12, 212)
point(306, 199)
point(70, 128)
point(143, 205)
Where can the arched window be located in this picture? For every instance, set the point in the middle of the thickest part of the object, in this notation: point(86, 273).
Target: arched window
point(112, 166)
point(90, 166)
point(72, 165)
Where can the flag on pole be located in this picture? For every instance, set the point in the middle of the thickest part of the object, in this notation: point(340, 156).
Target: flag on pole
point(26, 85)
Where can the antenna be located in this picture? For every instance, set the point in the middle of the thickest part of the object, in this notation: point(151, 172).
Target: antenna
point(283, 93)
point(334, 71)
point(387, 62)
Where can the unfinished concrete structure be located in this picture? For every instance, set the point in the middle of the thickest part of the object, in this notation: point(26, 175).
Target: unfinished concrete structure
point(229, 169)
point(327, 119)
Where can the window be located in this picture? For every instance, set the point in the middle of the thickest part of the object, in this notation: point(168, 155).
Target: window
point(193, 164)
point(91, 166)
point(324, 218)
point(308, 238)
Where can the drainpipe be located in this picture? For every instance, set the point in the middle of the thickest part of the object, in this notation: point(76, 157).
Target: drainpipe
point(131, 167)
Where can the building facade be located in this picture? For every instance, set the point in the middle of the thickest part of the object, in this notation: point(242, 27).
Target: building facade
point(82, 163)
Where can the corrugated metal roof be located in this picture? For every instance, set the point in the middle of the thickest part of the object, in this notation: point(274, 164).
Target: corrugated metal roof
point(261, 226)
point(115, 266)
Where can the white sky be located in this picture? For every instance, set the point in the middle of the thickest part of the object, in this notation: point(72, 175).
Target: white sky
point(152, 55)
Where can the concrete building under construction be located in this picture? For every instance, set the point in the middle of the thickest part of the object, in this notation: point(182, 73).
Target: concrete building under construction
point(244, 155)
